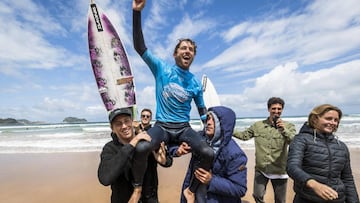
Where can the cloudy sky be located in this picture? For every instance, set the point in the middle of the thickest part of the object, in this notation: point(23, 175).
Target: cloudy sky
point(307, 52)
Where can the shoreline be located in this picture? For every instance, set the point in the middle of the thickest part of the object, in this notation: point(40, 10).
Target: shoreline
point(71, 177)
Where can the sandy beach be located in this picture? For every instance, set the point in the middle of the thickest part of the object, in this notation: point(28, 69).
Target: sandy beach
point(72, 178)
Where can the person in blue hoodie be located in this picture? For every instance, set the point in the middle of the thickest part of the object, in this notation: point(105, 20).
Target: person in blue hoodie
point(226, 181)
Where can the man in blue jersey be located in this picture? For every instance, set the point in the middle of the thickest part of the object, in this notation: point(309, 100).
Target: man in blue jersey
point(176, 87)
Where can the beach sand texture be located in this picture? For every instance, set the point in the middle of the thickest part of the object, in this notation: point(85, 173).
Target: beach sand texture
point(72, 178)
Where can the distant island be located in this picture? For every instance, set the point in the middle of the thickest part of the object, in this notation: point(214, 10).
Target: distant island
point(12, 121)
point(74, 120)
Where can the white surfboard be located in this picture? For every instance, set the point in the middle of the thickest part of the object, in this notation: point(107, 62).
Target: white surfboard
point(211, 97)
point(109, 62)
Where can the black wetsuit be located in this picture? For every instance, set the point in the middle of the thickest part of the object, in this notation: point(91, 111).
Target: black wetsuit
point(173, 133)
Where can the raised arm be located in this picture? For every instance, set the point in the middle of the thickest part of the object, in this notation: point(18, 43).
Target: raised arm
point(138, 38)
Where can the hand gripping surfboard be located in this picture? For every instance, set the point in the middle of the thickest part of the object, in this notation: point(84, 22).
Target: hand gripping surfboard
point(109, 62)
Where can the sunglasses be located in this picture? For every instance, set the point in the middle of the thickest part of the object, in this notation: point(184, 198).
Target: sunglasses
point(145, 116)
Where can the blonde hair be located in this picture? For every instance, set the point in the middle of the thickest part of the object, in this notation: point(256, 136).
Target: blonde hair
point(320, 111)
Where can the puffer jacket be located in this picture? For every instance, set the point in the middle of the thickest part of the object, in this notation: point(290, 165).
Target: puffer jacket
point(324, 158)
point(229, 182)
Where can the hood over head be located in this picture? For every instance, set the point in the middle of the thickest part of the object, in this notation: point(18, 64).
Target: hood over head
point(226, 118)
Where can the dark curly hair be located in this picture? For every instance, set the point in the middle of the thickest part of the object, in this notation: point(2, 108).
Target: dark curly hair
point(186, 40)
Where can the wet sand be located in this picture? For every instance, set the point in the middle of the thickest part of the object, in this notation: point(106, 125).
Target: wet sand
point(72, 178)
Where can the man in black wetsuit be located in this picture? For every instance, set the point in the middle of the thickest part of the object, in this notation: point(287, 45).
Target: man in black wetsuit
point(116, 160)
point(176, 88)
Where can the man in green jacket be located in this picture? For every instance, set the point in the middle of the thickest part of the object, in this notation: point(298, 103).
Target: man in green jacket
point(272, 137)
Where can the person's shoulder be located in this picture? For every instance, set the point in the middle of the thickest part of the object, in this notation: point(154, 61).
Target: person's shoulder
point(110, 143)
point(288, 123)
point(302, 137)
point(260, 123)
point(232, 152)
point(149, 56)
point(109, 146)
point(234, 147)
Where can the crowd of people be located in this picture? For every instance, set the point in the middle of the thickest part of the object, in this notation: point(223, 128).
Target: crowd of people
point(317, 161)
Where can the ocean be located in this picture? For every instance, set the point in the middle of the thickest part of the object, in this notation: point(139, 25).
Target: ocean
point(52, 138)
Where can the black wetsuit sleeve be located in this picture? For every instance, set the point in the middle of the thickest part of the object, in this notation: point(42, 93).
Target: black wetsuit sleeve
point(138, 37)
point(202, 113)
point(114, 162)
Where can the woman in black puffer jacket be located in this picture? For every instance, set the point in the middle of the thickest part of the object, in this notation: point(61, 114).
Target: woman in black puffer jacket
point(319, 163)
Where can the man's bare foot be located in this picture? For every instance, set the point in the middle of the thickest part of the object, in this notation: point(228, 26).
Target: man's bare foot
point(135, 197)
point(189, 196)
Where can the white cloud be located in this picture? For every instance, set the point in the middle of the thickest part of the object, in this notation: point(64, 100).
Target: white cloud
point(338, 85)
point(26, 29)
point(324, 31)
point(146, 98)
point(235, 31)
point(187, 28)
point(46, 75)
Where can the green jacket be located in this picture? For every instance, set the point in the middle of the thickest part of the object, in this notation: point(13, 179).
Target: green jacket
point(271, 145)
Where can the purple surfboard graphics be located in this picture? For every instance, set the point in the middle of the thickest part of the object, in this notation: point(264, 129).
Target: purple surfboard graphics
point(109, 62)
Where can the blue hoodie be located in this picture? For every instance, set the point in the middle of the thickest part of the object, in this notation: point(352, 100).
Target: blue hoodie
point(228, 183)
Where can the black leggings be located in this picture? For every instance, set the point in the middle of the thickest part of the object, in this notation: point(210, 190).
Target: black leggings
point(174, 134)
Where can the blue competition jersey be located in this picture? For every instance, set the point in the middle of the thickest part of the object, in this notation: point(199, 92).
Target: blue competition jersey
point(175, 89)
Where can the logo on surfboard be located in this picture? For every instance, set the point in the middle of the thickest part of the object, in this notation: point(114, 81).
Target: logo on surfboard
point(95, 12)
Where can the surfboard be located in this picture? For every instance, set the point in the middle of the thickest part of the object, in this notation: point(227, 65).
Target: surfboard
point(211, 97)
point(110, 65)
